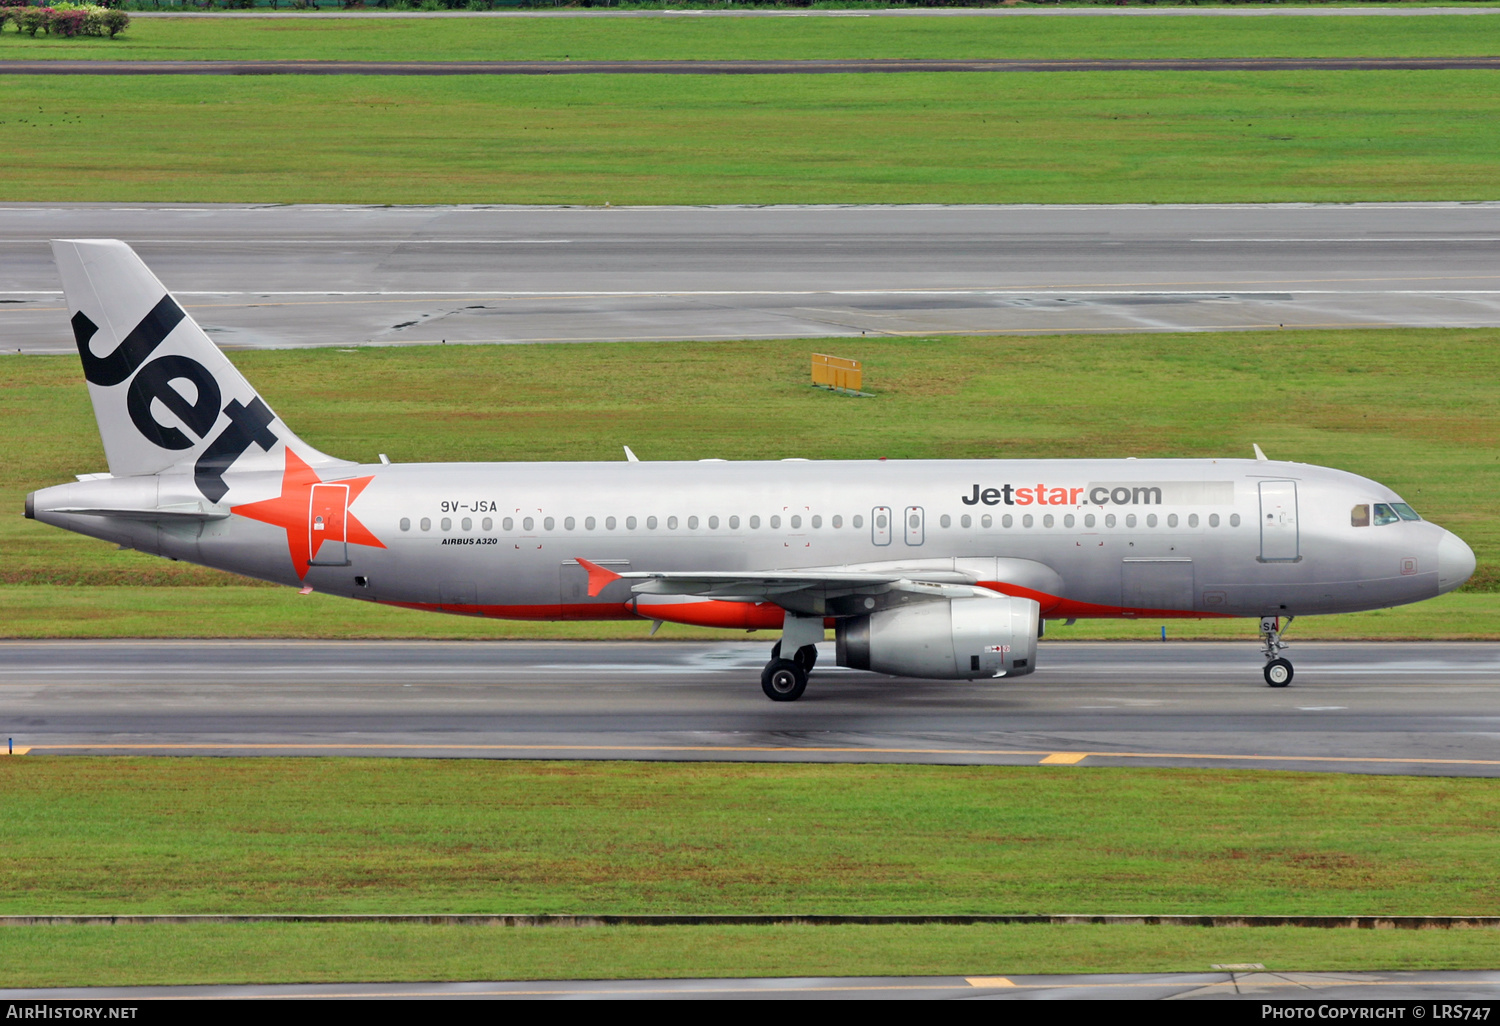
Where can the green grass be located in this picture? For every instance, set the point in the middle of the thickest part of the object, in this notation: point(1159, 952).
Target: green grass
point(53, 956)
point(123, 835)
point(198, 38)
point(1416, 409)
point(236, 611)
point(1102, 137)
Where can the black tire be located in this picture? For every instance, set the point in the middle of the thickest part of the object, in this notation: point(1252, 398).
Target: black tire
point(783, 680)
point(1278, 673)
point(807, 657)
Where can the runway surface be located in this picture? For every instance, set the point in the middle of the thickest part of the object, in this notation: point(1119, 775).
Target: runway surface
point(732, 67)
point(1245, 986)
point(338, 276)
point(1367, 708)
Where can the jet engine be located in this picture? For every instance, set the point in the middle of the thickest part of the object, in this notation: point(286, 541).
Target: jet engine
point(951, 639)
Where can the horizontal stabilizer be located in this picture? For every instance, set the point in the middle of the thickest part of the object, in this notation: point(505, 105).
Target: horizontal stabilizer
point(186, 513)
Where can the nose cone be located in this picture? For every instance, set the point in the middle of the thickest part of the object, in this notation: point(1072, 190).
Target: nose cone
point(1455, 562)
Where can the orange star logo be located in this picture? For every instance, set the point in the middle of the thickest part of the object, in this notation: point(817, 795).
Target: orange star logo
point(307, 530)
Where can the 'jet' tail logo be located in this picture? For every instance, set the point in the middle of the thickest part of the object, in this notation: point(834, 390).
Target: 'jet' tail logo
point(159, 381)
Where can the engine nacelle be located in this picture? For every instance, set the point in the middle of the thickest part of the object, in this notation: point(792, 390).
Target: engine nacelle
point(954, 639)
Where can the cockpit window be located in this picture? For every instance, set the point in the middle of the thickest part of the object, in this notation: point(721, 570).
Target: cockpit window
point(1359, 516)
point(1384, 515)
point(1404, 511)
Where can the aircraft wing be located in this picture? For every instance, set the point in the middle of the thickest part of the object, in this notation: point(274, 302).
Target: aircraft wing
point(832, 591)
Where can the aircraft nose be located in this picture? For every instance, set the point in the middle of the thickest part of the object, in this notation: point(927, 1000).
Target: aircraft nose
point(1455, 562)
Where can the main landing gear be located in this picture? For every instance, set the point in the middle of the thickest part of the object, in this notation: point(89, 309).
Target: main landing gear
point(1278, 671)
point(784, 680)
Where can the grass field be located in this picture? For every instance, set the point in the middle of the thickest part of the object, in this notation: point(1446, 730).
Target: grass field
point(1414, 409)
point(1100, 137)
point(122, 835)
point(52, 956)
point(200, 38)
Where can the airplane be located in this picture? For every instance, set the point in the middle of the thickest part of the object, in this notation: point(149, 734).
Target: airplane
point(933, 569)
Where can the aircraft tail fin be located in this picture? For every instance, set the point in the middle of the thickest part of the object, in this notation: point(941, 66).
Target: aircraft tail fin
point(164, 395)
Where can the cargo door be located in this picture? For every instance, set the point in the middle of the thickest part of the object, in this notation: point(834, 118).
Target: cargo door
point(1279, 539)
point(327, 515)
point(1157, 584)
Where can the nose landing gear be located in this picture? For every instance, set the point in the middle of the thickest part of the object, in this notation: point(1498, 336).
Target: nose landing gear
point(1278, 671)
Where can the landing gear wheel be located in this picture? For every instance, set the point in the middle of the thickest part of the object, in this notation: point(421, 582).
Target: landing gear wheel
point(783, 680)
point(1278, 673)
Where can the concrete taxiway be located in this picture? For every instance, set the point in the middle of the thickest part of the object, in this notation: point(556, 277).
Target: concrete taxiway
point(1249, 986)
point(1367, 708)
point(342, 276)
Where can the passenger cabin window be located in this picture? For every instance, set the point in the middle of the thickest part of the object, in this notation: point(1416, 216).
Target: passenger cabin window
point(755, 523)
point(945, 520)
point(858, 521)
point(1213, 520)
point(426, 524)
point(508, 524)
point(713, 523)
point(569, 523)
point(734, 523)
point(609, 523)
point(650, 523)
point(796, 521)
point(588, 523)
point(1150, 519)
point(1129, 519)
point(527, 524)
point(1027, 520)
point(1171, 519)
point(549, 523)
point(1109, 520)
point(1047, 520)
point(1384, 515)
point(966, 521)
point(1068, 520)
point(468, 524)
point(1005, 521)
point(838, 522)
point(630, 523)
point(447, 524)
point(986, 521)
point(488, 524)
point(1192, 520)
point(406, 523)
point(1088, 520)
point(1404, 511)
point(817, 521)
point(692, 523)
point(1234, 520)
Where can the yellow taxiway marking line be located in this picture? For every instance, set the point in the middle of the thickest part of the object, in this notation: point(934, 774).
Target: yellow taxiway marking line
point(787, 750)
point(1064, 758)
point(16, 751)
point(989, 981)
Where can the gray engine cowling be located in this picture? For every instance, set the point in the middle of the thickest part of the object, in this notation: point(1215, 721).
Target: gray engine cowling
point(951, 639)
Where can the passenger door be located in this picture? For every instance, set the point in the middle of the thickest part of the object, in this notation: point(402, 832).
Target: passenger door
point(1279, 538)
point(327, 517)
